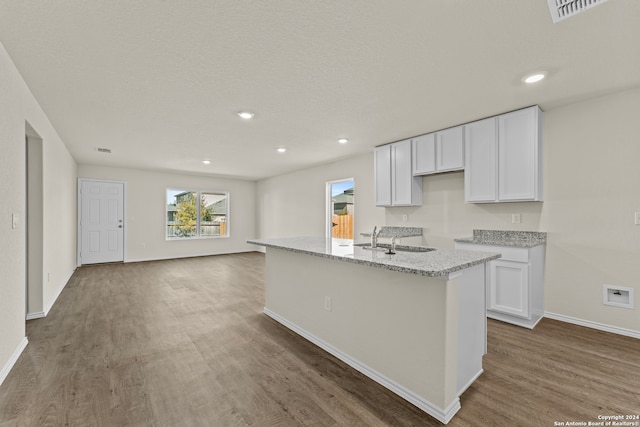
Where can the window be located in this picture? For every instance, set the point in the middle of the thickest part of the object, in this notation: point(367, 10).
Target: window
point(197, 214)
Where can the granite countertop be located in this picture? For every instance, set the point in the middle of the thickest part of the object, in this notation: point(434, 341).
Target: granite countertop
point(521, 239)
point(387, 232)
point(436, 263)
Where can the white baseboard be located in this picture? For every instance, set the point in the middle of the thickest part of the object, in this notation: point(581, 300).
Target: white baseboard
point(13, 359)
point(57, 294)
point(442, 415)
point(471, 381)
point(593, 325)
point(524, 323)
point(41, 314)
point(35, 315)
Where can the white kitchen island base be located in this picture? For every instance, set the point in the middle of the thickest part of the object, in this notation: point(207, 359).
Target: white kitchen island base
point(421, 337)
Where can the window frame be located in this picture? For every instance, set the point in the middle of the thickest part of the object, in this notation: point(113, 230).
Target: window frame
point(198, 193)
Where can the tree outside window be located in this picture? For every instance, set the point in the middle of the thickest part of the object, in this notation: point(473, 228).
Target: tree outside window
point(186, 218)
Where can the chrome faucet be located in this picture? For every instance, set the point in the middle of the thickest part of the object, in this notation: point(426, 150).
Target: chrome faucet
point(374, 237)
point(392, 247)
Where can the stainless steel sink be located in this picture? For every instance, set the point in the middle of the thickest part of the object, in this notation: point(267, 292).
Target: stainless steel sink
point(399, 248)
point(414, 249)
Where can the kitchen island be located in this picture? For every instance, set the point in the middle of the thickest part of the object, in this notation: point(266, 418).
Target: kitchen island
point(414, 321)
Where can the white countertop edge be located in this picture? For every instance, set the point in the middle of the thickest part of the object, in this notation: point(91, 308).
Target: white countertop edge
point(508, 243)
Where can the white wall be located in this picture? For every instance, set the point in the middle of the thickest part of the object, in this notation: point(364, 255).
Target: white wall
point(146, 212)
point(591, 177)
point(593, 173)
point(60, 223)
point(295, 204)
point(17, 107)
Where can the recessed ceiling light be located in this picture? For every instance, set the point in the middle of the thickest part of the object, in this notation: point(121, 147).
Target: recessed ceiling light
point(343, 140)
point(246, 115)
point(281, 150)
point(533, 78)
point(206, 162)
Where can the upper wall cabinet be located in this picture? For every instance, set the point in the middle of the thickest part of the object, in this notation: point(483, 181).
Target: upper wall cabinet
point(395, 184)
point(481, 160)
point(382, 174)
point(520, 155)
point(503, 158)
point(424, 154)
point(441, 151)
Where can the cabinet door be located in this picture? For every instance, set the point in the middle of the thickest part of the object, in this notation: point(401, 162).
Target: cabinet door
point(402, 180)
point(509, 288)
point(382, 173)
point(518, 154)
point(480, 153)
point(424, 154)
point(450, 149)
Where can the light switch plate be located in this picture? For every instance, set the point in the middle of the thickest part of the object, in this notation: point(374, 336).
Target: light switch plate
point(637, 218)
point(327, 303)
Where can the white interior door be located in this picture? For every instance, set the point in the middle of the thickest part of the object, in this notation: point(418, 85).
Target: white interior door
point(101, 222)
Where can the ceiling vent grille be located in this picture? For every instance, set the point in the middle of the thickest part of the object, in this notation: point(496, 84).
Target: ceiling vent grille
point(104, 150)
point(563, 9)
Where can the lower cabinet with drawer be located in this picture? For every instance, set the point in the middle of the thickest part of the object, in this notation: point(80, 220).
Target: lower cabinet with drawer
point(515, 283)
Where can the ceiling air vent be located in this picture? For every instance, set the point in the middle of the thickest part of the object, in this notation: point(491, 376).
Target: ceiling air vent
point(563, 9)
point(104, 150)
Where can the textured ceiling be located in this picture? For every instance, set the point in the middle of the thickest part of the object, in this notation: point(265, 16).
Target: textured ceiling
point(159, 82)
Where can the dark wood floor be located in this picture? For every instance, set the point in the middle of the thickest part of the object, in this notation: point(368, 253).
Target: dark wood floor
point(185, 343)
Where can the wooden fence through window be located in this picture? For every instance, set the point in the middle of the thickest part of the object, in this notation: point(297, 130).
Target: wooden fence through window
point(343, 226)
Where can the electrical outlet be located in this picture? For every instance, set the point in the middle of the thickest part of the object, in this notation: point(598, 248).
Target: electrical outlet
point(405, 217)
point(637, 218)
point(515, 218)
point(327, 303)
point(14, 220)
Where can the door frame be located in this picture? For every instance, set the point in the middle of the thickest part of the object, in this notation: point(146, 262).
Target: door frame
point(79, 219)
point(34, 220)
point(328, 213)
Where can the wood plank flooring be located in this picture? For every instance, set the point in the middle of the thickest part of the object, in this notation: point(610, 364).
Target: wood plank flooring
point(185, 343)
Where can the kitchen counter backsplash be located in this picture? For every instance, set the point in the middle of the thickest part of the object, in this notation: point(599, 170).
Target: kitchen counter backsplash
point(506, 238)
point(397, 232)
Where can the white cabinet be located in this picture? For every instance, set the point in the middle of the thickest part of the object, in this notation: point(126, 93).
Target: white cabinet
point(450, 149)
point(441, 151)
point(515, 283)
point(424, 154)
point(509, 288)
point(481, 158)
point(503, 158)
point(520, 155)
point(394, 180)
point(403, 184)
point(382, 173)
